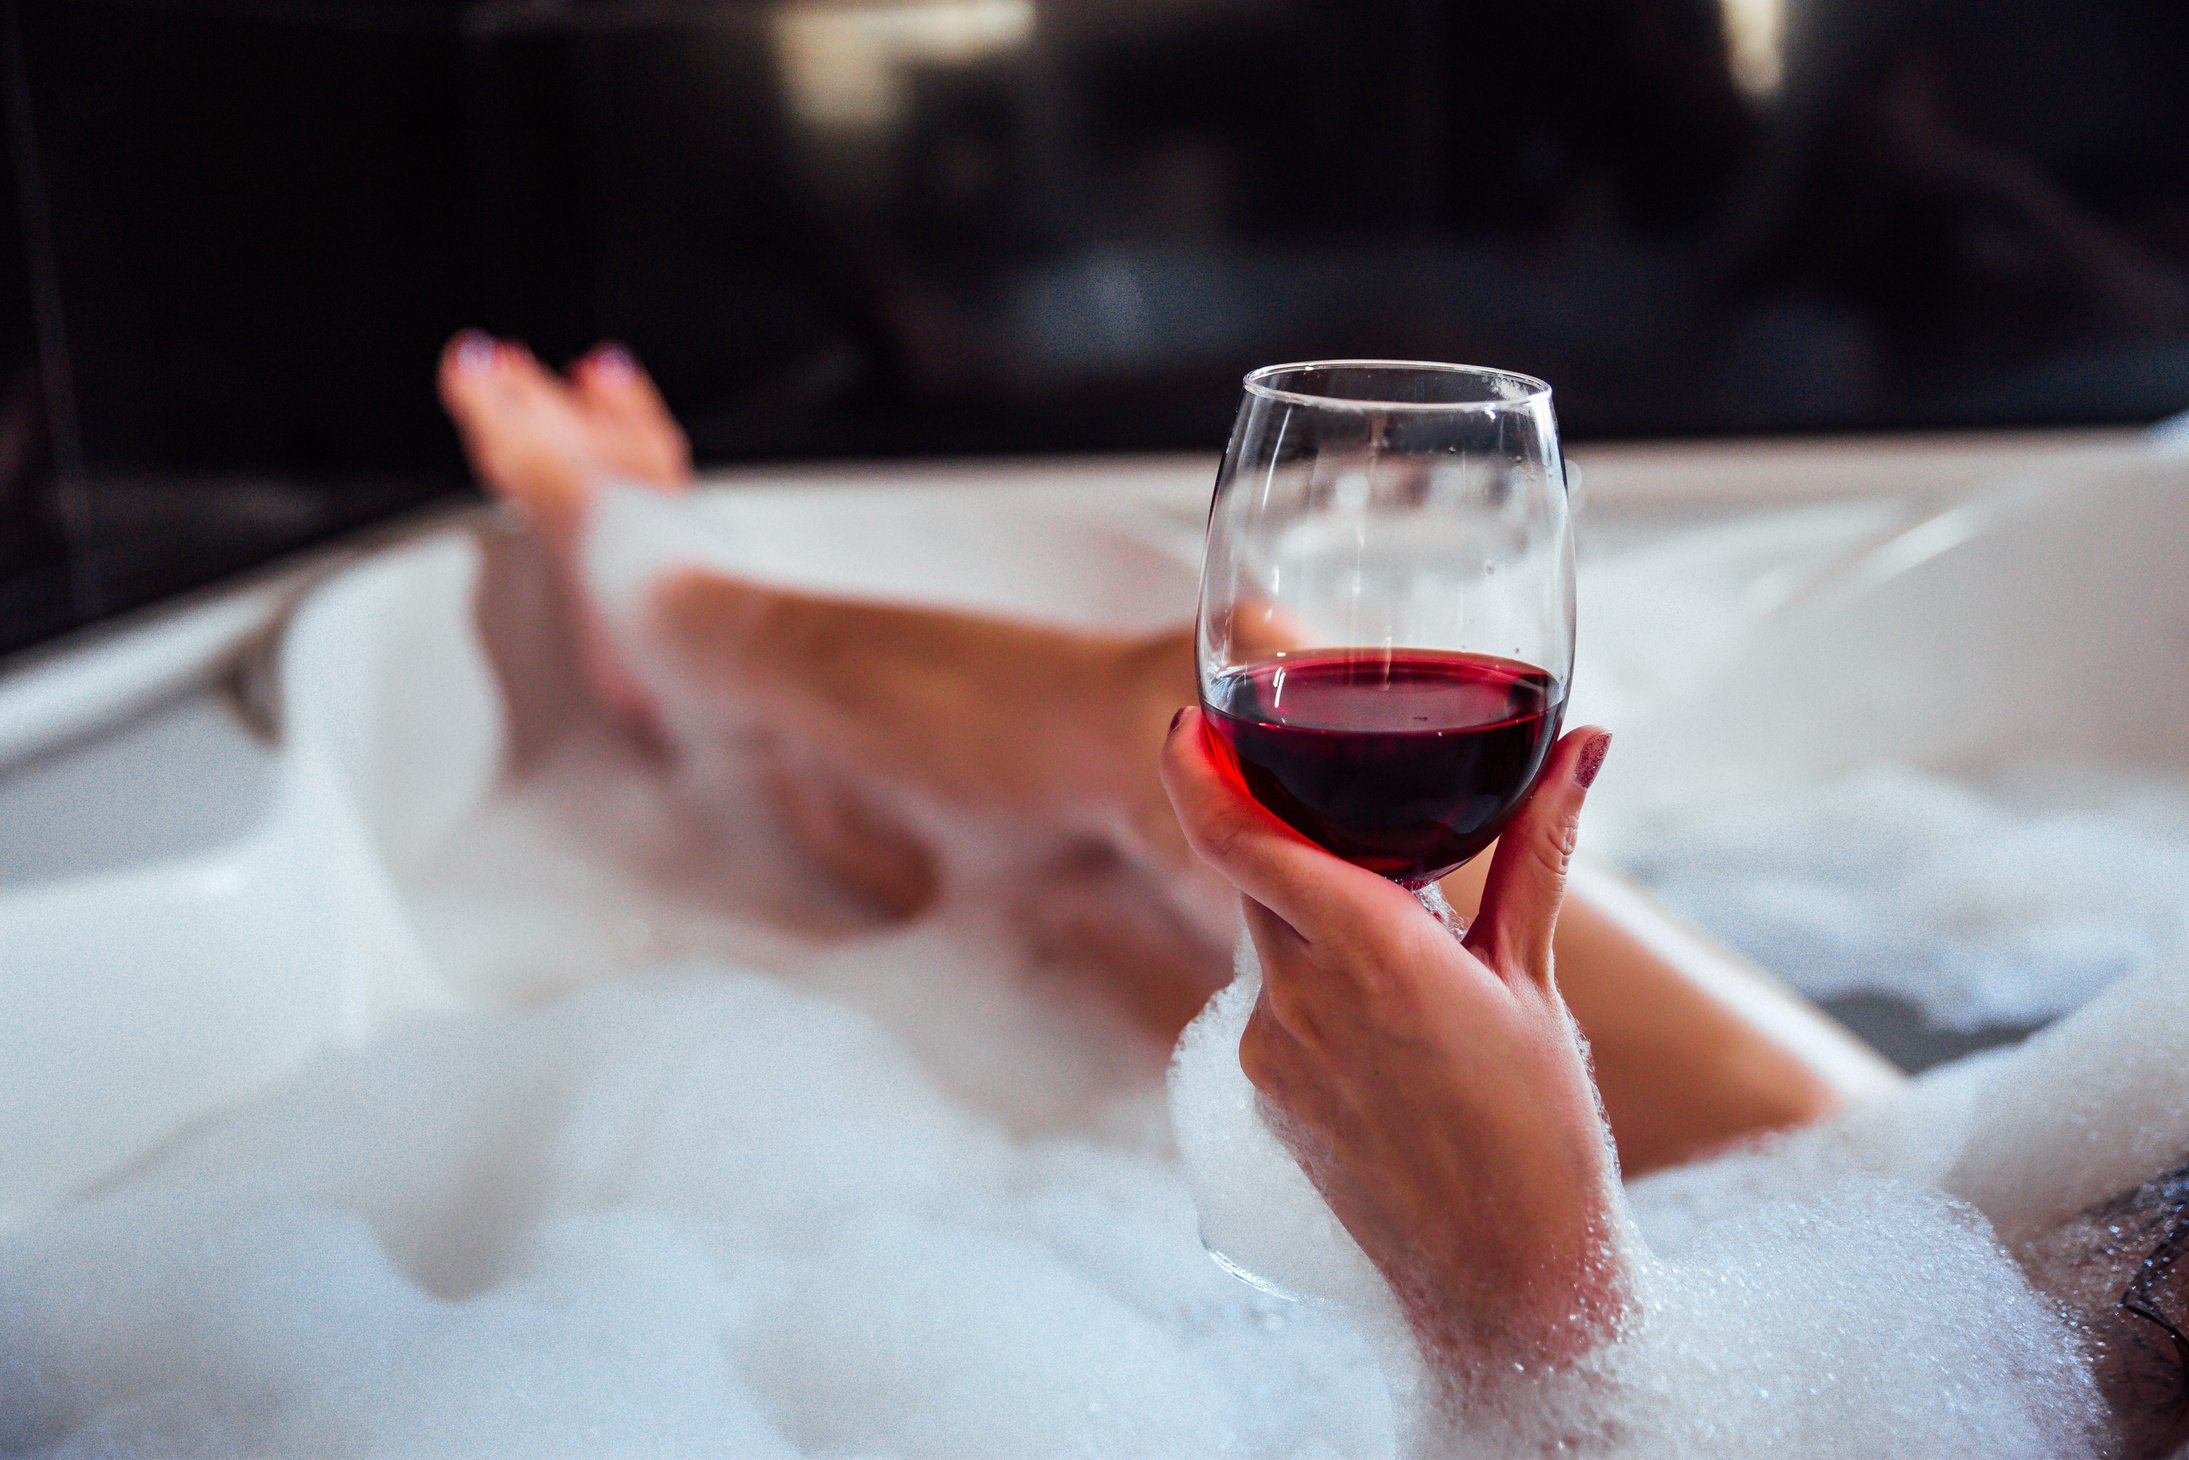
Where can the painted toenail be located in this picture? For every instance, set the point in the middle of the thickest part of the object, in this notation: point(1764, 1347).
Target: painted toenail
point(474, 351)
point(614, 362)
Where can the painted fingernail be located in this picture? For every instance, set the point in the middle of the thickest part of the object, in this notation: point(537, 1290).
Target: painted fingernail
point(474, 350)
point(1179, 718)
point(613, 361)
point(1592, 760)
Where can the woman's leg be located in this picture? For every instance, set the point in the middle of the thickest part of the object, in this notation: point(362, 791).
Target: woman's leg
point(898, 727)
point(889, 736)
point(1694, 1047)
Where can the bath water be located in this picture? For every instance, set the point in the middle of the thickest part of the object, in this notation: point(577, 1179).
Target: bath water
point(840, 1191)
point(2004, 896)
point(701, 1212)
point(695, 1164)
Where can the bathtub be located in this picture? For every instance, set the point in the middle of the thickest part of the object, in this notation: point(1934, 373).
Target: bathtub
point(198, 895)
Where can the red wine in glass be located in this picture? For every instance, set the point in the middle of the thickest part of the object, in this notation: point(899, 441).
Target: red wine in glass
point(1407, 763)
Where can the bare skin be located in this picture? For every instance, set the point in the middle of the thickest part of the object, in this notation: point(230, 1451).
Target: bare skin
point(885, 712)
point(1435, 1090)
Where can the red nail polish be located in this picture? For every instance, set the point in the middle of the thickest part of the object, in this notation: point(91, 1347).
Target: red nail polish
point(1592, 760)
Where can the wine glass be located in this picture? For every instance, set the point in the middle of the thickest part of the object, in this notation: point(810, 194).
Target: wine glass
point(1387, 608)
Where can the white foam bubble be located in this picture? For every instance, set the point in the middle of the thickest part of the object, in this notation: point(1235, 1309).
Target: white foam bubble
point(838, 1191)
point(1862, 1317)
point(2007, 898)
point(1257, 1209)
point(2086, 1109)
point(1813, 1298)
point(697, 1215)
point(706, 1214)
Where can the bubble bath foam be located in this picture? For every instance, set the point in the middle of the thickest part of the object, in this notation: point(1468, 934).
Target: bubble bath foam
point(745, 1176)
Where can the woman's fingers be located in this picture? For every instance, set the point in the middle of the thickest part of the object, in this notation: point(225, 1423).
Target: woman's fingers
point(1317, 895)
point(1512, 931)
point(1330, 905)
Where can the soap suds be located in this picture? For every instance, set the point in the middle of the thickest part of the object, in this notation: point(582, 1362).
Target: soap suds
point(698, 1212)
point(2000, 899)
point(683, 1214)
point(822, 1189)
point(1805, 1299)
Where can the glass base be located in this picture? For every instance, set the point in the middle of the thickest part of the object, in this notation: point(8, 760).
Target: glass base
point(1252, 1279)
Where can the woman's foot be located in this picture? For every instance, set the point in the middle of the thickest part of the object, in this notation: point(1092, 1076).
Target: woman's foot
point(547, 443)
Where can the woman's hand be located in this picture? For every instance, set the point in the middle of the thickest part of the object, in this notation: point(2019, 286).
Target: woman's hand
point(1434, 1090)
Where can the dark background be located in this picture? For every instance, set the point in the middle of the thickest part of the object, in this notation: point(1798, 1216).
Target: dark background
point(971, 226)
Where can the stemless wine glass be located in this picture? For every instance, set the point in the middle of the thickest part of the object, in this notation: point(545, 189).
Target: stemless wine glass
point(1387, 610)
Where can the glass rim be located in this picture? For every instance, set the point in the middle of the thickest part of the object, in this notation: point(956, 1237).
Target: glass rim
point(1532, 390)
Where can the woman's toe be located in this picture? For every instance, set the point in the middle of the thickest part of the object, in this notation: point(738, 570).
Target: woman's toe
point(469, 365)
point(632, 428)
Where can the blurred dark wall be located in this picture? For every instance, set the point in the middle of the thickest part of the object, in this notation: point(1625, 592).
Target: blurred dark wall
point(853, 227)
point(244, 232)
